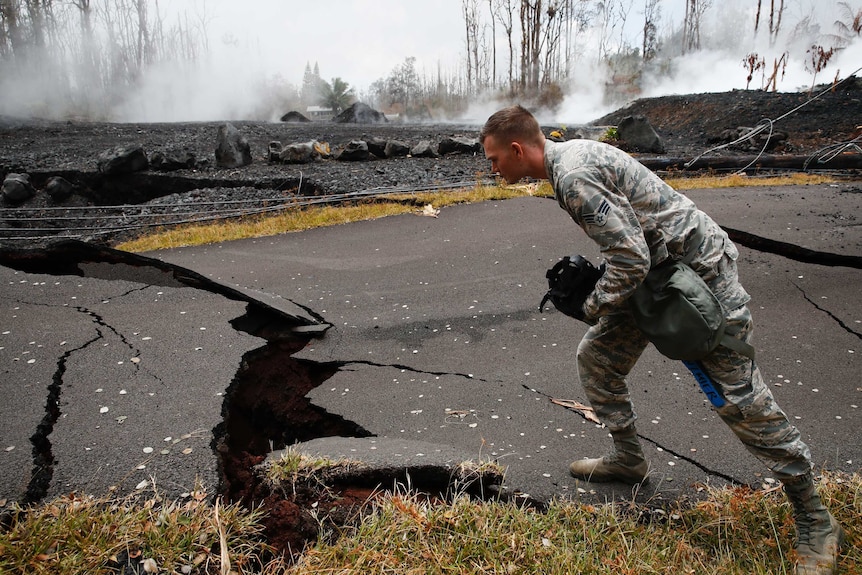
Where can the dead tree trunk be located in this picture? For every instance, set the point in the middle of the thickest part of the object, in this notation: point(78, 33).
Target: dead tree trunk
point(10, 13)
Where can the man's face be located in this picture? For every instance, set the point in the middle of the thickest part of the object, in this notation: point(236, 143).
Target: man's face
point(506, 158)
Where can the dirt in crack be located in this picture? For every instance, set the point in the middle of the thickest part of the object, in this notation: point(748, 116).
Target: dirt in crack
point(266, 408)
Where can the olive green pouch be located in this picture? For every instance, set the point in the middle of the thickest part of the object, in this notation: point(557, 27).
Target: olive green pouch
point(680, 315)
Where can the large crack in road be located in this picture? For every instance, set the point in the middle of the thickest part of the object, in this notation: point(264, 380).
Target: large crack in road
point(43, 456)
point(265, 406)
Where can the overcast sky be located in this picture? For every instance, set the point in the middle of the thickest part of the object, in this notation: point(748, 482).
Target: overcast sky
point(256, 46)
point(359, 41)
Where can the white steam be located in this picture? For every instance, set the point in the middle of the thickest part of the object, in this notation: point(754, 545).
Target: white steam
point(252, 78)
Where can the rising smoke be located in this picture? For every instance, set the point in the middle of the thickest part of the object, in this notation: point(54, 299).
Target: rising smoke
point(196, 78)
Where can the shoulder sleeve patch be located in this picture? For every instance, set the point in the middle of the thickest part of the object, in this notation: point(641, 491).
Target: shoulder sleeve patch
point(598, 217)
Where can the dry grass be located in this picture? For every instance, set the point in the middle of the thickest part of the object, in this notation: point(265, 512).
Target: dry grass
point(741, 180)
point(729, 531)
point(318, 216)
point(84, 534)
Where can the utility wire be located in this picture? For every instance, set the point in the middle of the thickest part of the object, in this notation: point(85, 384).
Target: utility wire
point(127, 211)
point(767, 123)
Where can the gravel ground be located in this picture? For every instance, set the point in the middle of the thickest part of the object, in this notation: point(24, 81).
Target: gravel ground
point(104, 210)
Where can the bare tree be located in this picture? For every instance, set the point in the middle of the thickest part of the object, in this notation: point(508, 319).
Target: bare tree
point(818, 58)
point(694, 11)
point(531, 18)
point(775, 19)
point(775, 15)
point(623, 8)
point(544, 38)
point(652, 15)
point(493, 43)
point(470, 10)
point(779, 65)
point(13, 34)
point(503, 12)
point(144, 53)
point(752, 62)
point(550, 41)
point(35, 11)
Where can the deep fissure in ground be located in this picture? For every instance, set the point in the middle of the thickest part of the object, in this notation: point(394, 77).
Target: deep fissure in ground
point(265, 407)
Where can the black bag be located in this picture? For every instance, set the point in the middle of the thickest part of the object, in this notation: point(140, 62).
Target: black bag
point(680, 315)
point(570, 281)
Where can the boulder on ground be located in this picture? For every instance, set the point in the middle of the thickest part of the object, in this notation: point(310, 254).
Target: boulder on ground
point(360, 113)
point(123, 160)
point(354, 151)
point(396, 148)
point(295, 117)
point(424, 149)
point(639, 135)
point(232, 149)
point(172, 161)
point(274, 151)
point(459, 145)
point(16, 188)
point(304, 152)
point(322, 148)
point(59, 188)
point(376, 145)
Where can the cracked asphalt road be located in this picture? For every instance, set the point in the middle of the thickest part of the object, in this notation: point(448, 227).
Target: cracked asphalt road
point(436, 338)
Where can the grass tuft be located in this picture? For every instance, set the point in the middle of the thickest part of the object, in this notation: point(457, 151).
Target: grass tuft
point(294, 467)
point(732, 531)
point(735, 531)
point(84, 534)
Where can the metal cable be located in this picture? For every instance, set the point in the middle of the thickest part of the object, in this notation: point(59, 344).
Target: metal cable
point(768, 123)
point(198, 216)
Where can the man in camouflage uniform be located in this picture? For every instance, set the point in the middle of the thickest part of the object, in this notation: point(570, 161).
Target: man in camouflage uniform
point(638, 221)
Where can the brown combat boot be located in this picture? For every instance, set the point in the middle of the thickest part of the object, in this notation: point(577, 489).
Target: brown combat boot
point(626, 463)
point(819, 536)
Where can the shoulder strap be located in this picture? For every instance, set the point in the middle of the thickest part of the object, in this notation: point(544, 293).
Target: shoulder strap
point(737, 345)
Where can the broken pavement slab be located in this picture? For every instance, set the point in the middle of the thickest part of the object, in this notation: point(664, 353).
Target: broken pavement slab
point(430, 314)
point(73, 257)
point(112, 384)
point(430, 319)
point(390, 464)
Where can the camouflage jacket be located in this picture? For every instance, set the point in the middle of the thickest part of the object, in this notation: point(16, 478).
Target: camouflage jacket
point(636, 219)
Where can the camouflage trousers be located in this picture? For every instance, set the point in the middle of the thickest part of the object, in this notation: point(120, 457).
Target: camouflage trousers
point(610, 349)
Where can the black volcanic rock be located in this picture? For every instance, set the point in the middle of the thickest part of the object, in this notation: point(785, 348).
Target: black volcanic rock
point(360, 113)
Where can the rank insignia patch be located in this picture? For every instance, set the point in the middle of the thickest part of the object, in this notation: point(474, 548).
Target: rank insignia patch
point(600, 216)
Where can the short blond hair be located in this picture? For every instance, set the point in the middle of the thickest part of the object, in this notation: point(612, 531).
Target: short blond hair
point(511, 124)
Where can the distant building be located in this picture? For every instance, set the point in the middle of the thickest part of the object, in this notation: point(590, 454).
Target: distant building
point(318, 113)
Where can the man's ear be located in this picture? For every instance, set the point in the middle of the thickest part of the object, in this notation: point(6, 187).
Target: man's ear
point(517, 150)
